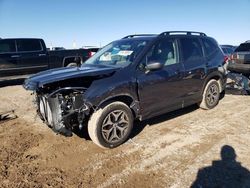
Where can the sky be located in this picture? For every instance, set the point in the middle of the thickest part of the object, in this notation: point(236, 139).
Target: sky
point(77, 23)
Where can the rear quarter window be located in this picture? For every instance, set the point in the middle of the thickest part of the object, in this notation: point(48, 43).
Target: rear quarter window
point(210, 47)
point(7, 46)
point(28, 45)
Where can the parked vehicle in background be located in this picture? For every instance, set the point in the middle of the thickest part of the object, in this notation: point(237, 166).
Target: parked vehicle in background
point(58, 48)
point(137, 77)
point(240, 59)
point(227, 49)
point(22, 56)
point(91, 49)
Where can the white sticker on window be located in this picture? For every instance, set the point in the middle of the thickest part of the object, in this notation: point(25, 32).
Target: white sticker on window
point(106, 57)
point(125, 52)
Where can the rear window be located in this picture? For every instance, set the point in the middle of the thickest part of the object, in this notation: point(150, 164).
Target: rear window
point(94, 49)
point(28, 45)
point(7, 46)
point(244, 47)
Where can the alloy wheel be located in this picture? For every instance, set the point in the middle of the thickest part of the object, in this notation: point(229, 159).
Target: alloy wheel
point(212, 95)
point(115, 126)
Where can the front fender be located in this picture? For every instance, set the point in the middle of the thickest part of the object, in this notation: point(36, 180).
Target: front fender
point(120, 87)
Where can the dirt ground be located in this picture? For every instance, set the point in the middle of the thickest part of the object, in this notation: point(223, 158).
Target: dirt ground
point(179, 149)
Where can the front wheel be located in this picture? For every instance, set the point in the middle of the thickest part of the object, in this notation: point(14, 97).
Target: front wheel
point(211, 95)
point(111, 126)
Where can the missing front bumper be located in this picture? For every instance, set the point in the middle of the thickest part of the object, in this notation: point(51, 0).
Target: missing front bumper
point(62, 113)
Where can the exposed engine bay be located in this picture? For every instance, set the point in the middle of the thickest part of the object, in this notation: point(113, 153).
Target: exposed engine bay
point(63, 109)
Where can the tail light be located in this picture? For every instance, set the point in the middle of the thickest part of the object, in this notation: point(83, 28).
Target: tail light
point(226, 58)
point(234, 56)
point(90, 54)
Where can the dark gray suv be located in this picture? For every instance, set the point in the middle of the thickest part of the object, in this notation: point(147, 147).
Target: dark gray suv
point(137, 77)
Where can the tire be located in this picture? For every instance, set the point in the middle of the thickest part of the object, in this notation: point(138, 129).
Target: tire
point(111, 125)
point(211, 95)
point(72, 65)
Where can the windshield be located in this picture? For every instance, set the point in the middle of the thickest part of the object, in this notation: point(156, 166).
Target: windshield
point(119, 53)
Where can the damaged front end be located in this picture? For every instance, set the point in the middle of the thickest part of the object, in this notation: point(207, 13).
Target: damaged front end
point(63, 109)
point(60, 95)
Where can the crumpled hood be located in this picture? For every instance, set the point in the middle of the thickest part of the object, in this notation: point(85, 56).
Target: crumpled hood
point(38, 80)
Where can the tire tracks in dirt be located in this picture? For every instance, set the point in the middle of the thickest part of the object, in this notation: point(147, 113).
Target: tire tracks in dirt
point(167, 152)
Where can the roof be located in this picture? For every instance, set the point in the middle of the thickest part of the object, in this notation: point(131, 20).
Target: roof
point(166, 33)
point(21, 38)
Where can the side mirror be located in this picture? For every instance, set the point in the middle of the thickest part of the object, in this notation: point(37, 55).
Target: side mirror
point(153, 65)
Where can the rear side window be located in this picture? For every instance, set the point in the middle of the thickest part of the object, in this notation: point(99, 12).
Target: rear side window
point(244, 47)
point(7, 46)
point(210, 47)
point(28, 45)
point(191, 49)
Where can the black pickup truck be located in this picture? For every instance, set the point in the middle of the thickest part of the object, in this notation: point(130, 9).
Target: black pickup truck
point(240, 59)
point(20, 57)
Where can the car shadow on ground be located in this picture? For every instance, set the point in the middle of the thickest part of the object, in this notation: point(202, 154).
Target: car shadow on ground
point(82, 133)
point(226, 172)
point(11, 82)
point(140, 125)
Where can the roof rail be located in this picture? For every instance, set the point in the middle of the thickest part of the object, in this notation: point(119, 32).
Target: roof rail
point(183, 32)
point(138, 35)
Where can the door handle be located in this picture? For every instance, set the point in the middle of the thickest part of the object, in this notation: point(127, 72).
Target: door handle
point(15, 56)
point(41, 55)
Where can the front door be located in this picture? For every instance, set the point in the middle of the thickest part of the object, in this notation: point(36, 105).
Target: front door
point(161, 90)
point(9, 58)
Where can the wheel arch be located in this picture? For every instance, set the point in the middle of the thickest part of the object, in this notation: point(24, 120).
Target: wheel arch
point(126, 99)
point(216, 76)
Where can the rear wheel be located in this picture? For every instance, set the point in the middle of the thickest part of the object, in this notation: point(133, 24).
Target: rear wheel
point(111, 126)
point(211, 95)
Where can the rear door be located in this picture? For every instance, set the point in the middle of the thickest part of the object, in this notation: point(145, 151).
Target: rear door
point(161, 91)
point(195, 68)
point(9, 58)
point(33, 57)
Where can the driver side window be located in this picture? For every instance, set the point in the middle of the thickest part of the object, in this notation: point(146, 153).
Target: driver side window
point(163, 52)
